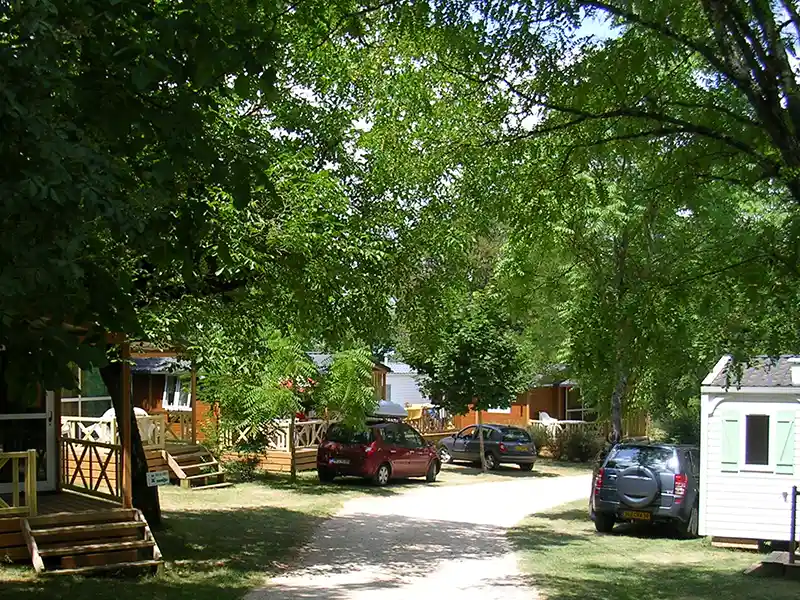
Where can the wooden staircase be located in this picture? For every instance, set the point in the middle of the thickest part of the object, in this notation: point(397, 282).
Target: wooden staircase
point(195, 467)
point(86, 543)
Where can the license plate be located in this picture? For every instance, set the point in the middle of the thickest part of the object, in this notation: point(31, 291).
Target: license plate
point(635, 515)
point(340, 461)
point(522, 448)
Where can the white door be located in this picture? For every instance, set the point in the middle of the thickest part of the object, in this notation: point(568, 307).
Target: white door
point(30, 427)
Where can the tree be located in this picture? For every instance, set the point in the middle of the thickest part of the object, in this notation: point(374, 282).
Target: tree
point(155, 159)
point(477, 364)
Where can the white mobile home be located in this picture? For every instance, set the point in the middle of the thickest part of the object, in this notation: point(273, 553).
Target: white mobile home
point(750, 448)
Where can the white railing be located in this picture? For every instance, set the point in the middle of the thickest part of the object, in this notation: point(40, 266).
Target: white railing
point(274, 435)
point(21, 463)
point(556, 427)
point(152, 429)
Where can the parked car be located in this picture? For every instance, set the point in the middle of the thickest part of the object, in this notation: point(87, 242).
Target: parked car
point(647, 483)
point(381, 452)
point(502, 444)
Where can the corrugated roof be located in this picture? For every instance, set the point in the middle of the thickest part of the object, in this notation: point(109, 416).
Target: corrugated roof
point(161, 364)
point(401, 368)
point(323, 361)
point(763, 371)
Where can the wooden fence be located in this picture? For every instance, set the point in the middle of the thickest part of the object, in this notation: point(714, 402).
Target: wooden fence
point(179, 427)
point(274, 435)
point(425, 422)
point(632, 426)
point(24, 499)
point(91, 467)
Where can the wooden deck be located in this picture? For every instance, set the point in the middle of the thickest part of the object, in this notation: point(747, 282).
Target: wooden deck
point(68, 502)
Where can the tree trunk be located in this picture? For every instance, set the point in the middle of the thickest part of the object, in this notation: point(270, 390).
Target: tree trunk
point(616, 408)
point(480, 440)
point(292, 459)
point(144, 498)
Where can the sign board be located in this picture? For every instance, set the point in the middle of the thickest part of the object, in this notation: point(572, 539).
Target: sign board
point(157, 478)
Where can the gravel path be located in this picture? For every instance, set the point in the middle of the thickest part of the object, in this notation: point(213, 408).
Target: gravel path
point(430, 542)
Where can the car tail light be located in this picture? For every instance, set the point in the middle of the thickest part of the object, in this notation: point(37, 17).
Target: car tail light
point(681, 483)
point(598, 482)
point(503, 447)
point(370, 449)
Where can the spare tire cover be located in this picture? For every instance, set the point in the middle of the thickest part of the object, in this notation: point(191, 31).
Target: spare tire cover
point(637, 486)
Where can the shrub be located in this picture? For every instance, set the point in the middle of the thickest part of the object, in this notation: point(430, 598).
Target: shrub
point(680, 428)
point(540, 437)
point(580, 444)
point(242, 469)
point(555, 444)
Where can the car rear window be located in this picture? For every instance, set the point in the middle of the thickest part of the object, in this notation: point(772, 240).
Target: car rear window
point(653, 457)
point(346, 435)
point(516, 435)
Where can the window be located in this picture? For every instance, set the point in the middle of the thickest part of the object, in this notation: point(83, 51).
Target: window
point(411, 439)
point(176, 394)
point(573, 406)
point(392, 435)
point(345, 435)
point(90, 399)
point(661, 459)
point(469, 432)
point(516, 435)
point(756, 450)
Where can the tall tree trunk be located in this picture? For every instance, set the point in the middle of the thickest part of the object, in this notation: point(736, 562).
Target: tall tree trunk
point(144, 498)
point(616, 407)
point(480, 440)
point(292, 458)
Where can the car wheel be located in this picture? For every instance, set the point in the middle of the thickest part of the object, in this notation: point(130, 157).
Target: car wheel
point(603, 522)
point(491, 461)
point(433, 471)
point(689, 529)
point(325, 475)
point(444, 455)
point(526, 467)
point(382, 475)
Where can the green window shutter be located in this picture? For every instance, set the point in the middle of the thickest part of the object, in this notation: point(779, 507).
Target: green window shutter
point(730, 442)
point(784, 443)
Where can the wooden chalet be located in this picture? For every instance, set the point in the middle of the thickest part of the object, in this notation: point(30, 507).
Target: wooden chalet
point(66, 502)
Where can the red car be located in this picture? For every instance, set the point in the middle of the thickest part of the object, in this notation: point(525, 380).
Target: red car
point(381, 452)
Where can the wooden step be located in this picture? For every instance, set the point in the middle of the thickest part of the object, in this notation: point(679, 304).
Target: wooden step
point(205, 475)
point(212, 486)
point(182, 450)
point(83, 518)
point(84, 532)
point(139, 564)
point(204, 465)
point(186, 459)
point(94, 548)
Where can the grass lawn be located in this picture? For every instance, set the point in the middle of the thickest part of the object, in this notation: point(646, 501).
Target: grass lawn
point(217, 543)
point(465, 473)
point(564, 558)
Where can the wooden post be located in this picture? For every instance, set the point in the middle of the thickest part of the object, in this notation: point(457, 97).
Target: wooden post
point(292, 460)
point(125, 434)
point(57, 427)
point(15, 481)
point(31, 498)
point(193, 400)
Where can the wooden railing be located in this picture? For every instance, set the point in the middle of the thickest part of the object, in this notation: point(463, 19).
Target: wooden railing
point(178, 427)
point(27, 489)
point(274, 435)
point(152, 429)
point(556, 427)
point(427, 423)
point(91, 467)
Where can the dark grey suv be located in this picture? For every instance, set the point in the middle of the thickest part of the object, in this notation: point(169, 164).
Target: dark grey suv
point(650, 483)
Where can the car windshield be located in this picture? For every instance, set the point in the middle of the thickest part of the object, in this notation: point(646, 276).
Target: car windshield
point(516, 435)
point(652, 457)
point(346, 435)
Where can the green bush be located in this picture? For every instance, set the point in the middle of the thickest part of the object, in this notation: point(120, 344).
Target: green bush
point(540, 437)
point(680, 428)
point(242, 469)
point(580, 444)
